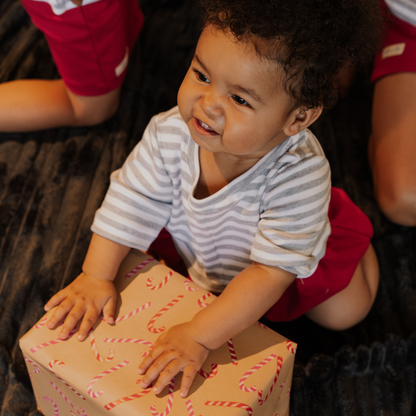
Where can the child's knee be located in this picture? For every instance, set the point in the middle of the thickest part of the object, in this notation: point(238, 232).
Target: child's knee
point(398, 202)
point(89, 111)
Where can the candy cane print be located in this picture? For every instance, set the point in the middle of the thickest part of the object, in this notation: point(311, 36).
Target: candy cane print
point(246, 407)
point(41, 323)
point(93, 394)
point(187, 286)
point(150, 326)
point(68, 401)
point(61, 364)
point(190, 408)
point(135, 396)
point(136, 269)
point(276, 376)
point(169, 404)
point(290, 347)
point(251, 371)
point(161, 284)
point(233, 355)
point(36, 368)
point(263, 326)
point(52, 342)
point(95, 350)
point(132, 313)
point(201, 302)
point(212, 373)
point(55, 406)
point(132, 341)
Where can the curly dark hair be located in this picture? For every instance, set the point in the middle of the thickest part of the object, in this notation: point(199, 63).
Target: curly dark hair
point(310, 39)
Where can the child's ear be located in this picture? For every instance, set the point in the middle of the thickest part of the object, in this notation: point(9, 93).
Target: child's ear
point(300, 119)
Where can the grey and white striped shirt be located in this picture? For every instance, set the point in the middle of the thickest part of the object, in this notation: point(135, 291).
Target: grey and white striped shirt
point(275, 213)
point(403, 9)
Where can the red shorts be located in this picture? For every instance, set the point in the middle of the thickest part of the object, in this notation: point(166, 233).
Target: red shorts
point(349, 240)
point(90, 44)
point(399, 51)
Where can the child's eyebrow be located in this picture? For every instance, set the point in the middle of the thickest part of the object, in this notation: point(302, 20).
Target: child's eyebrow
point(249, 92)
point(239, 88)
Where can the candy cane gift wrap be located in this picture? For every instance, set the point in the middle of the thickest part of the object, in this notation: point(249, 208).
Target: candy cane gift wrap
point(250, 375)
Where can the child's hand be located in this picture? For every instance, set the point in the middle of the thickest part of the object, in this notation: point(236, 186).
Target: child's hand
point(174, 351)
point(84, 299)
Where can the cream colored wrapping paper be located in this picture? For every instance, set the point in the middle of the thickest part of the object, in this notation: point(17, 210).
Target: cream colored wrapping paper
point(249, 375)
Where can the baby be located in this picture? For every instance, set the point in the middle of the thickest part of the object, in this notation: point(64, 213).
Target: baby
point(242, 185)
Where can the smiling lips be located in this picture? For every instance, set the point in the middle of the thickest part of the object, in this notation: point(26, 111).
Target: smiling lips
point(203, 127)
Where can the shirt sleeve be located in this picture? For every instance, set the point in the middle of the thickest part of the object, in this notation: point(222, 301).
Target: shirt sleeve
point(294, 226)
point(139, 200)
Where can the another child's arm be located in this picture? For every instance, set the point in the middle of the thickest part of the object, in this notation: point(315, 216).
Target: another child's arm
point(186, 346)
point(92, 291)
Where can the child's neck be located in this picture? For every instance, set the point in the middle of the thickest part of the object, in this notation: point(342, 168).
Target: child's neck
point(218, 170)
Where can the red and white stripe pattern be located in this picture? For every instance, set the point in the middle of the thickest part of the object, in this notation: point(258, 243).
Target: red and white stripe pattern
point(136, 269)
point(251, 371)
point(61, 364)
point(190, 408)
point(150, 325)
point(161, 284)
point(52, 342)
point(131, 341)
point(187, 286)
point(246, 407)
point(132, 313)
point(41, 323)
point(81, 412)
point(135, 396)
point(95, 350)
point(96, 394)
point(55, 406)
point(169, 404)
point(233, 355)
point(36, 368)
point(212, 373)
point(291, 347)
point(201, 300)
point(276, 376)
point(263, 326)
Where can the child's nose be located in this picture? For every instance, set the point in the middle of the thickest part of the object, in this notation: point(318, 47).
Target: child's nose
point(211, 105)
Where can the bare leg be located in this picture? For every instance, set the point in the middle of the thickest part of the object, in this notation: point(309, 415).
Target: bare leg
point(27, 105)
point(392, 147)
point(351, 305)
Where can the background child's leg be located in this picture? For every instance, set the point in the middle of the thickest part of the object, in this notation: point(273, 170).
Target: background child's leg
point(27, 105)
point(393, 146)
point(352, 304)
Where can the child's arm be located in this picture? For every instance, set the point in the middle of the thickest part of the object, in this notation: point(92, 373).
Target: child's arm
point(185, 347)
point(92, 291)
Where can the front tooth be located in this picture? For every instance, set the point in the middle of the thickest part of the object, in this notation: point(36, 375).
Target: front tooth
point(205, 126)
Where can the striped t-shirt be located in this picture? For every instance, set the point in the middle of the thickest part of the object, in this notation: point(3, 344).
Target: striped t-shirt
point(403, 9)
point(275, 213)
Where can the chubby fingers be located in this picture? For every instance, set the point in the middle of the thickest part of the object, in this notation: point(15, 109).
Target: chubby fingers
point(165, 365)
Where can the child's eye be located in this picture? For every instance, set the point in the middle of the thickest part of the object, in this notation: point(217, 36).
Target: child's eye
point(239, 100)
point(201, 76)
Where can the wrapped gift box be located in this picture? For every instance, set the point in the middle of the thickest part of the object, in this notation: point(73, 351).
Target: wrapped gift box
point(249, 375)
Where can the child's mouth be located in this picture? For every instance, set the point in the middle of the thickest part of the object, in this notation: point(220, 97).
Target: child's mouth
point(204, 128)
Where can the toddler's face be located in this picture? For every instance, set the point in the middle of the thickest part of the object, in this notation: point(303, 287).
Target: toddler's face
point(232, 100)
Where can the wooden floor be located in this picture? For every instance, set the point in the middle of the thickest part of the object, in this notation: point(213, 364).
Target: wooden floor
point(51, 183)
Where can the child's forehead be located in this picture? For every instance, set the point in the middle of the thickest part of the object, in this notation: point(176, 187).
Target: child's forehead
point(248, 49)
